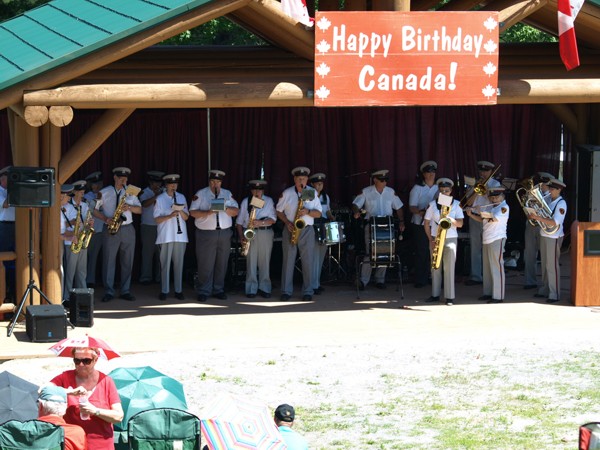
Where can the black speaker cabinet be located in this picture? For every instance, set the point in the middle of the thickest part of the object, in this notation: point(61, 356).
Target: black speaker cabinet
point(31, 186)
point(81, 307)
point(46, 323)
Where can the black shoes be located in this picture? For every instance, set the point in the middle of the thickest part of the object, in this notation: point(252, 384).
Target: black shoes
point(380, 285)
point(284, 297)
point(540, 295)
point(307, 298)
point(433, 299)
point(264, 294)
point(179, 296)
point(449, 301)
point(495, 300)
point(530, 286)
point(162, 296)
point(127, 296)
point(250, 295)
point(201, 298)
point(472, 282)
point(485, 297)
point(221, 296)
point(319, 290)
point(107, 298)
point(552, 300)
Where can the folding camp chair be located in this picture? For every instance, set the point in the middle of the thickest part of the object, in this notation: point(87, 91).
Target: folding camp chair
point(164, 429)
point(31, 435)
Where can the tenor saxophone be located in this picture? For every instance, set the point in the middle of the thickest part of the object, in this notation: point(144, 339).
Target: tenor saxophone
point(299, 224)
point(117, 218)
point(249, 233)
point(440, 238)
point(88, 230)
point(77, 231)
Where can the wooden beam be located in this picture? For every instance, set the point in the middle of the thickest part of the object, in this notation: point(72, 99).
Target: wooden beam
point(536, 91)
point(265, 18)
point(121, 49)
point(200, 95)
point(61, 116)
point(511, 12)
point(87, 144)
point(51, 246)
point(34, 116)
point(565, 114)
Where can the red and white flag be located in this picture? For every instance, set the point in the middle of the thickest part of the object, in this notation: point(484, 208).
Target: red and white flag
point(567, 12)
point(297, 10)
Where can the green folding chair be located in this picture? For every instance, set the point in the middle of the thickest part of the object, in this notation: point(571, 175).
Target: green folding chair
point(31, 435)
point(164, 429)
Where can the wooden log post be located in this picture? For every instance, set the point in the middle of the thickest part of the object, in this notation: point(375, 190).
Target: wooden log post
point(25, 151)
point(51, 246)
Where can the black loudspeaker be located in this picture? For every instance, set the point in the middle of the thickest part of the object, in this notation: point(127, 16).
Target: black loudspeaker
point(46, 323)
point(81, 307)
point(31, 186)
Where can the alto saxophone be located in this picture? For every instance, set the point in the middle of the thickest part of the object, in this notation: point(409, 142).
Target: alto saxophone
point(249, 233)
point(440, 238)
point(77, 231)
point(88, 230)
point(118, 218)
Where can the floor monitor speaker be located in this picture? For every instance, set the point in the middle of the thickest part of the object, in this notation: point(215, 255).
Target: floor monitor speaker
point(81, 307)
point(46, 323)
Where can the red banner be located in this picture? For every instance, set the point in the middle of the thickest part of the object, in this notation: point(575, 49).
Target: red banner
point(406, 58)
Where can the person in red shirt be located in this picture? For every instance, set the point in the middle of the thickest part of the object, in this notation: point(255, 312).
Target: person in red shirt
point(93, 401)
point(52, 406)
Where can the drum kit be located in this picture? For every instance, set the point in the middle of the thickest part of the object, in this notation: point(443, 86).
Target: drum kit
point(332, 235)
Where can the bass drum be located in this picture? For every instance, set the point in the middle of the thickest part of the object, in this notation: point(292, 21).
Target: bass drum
point(383, 242)
point(334, 233)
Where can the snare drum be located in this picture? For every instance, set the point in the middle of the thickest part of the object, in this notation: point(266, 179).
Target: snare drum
point(383, 242)
point(334, 233)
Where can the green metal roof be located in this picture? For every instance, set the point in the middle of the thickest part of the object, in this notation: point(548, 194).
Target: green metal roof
point(62, 30)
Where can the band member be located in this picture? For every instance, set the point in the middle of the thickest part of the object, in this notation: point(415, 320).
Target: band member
point(485, 169)
point(431, 227)
point(66, 227)
point(170, 213)
point(494, 218)
point(258, 237)
point(94, 201)
point(75, 213)
point(150, 253)
point(532, 238)
point(421, 195)
point(7, 225)
point(317, 181)
point(377, 200)
point(550, 243)
point(123, 241)
point(297, 208)
point(213, 209)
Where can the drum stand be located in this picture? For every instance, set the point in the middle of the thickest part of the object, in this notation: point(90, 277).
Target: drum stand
point(331, 260)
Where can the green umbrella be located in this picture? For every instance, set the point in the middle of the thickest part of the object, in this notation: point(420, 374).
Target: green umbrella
point(143, 388)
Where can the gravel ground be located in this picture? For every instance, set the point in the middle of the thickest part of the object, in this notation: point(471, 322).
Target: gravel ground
point(395, 394)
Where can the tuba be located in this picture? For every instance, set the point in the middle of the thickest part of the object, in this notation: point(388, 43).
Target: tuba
point(530, 197)
point(478, 189)
point(440, 238)
point(249, 233)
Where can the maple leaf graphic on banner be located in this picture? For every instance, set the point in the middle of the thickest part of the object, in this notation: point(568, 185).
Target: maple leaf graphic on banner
point(490, 24)
point(323, 69)
point(490, 46)
point(323, 92)
point(488, 91)
point(489, 69)
point(323, 24)
point(323, 46)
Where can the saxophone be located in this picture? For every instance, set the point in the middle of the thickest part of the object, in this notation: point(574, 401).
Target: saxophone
point(440, 238)
point(249, 233)
point(118, 218)
point(88, 231)
point(77, 243)
point(299, 224)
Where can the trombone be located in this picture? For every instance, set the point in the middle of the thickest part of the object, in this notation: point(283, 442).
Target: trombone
point(478, 189)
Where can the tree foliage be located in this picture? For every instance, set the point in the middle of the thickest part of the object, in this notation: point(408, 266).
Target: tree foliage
point(521, 34)
point(12, 8)
point(219, 31)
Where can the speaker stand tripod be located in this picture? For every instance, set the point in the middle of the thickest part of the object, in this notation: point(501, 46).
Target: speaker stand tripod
point(31, 286)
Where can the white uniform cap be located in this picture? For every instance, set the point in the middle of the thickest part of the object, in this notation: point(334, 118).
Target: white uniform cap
point(301, 171)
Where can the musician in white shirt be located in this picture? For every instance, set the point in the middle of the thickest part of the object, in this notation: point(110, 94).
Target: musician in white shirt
point(149, 254)
point(170, 213)
point(317, 181)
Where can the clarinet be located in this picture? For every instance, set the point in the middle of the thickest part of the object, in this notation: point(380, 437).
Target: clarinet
point(178, 223)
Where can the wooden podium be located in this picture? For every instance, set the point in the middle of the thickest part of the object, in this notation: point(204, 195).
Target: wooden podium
point(585, 269)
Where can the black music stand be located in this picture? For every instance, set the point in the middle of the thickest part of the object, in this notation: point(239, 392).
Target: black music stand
point(31, 286)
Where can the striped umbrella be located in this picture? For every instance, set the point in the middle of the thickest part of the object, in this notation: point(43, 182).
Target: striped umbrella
point(231, 422)
point(66, 346)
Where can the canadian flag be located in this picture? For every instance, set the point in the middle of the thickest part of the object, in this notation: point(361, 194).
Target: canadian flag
point(567, 11)
point(297, 10)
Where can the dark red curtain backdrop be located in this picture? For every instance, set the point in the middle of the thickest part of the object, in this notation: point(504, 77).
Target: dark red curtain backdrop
point(345, 143)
